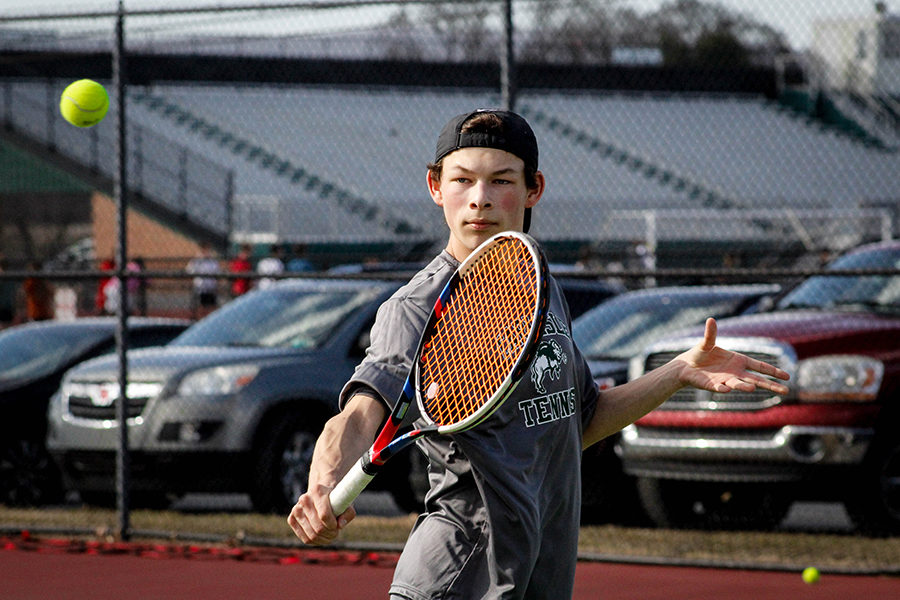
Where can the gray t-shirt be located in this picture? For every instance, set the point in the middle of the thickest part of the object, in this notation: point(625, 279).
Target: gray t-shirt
point(502, 515)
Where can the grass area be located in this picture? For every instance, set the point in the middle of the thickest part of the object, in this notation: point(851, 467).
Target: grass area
point(782, 550)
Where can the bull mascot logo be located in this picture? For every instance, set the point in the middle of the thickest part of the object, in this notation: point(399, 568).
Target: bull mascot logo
point(548, 360)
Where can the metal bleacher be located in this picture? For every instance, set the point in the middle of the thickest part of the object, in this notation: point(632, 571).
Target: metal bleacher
point(326, 163)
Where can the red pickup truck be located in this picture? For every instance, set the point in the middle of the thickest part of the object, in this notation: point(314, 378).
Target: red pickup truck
point(741, 459)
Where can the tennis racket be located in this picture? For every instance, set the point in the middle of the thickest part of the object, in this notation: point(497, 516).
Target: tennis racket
point(476, 345)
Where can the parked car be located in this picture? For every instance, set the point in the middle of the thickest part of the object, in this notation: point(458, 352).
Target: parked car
point(584, 294)
point(741, 459)
point(609, 335)
point(33, 358)
point(235, 404)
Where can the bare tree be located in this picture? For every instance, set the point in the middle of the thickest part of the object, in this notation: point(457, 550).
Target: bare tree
point(687, 32)
point(402, 43)
point(571, 32)
point(464, 30)
point(705, 33)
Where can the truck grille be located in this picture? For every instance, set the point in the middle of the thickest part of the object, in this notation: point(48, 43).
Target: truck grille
point(98, 401)
point(694, 399)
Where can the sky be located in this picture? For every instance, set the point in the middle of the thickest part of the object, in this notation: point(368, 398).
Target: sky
point(794, 17)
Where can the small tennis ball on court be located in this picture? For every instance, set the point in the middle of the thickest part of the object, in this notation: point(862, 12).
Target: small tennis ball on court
point(84, 103)
point(811, 575)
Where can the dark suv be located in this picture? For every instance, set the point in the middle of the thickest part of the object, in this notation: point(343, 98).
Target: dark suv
point(33, 358)
point(741, 459)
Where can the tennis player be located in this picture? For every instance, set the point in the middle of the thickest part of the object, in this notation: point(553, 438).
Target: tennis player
point(502, 514)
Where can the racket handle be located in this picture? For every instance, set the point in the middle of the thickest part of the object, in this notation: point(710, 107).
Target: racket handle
point(348, 488)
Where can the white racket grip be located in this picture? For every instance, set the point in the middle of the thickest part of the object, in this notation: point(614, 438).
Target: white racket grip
point(348, 488)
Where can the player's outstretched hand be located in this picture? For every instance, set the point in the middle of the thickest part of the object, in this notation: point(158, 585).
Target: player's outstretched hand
point(314, 522)
point(715, 369)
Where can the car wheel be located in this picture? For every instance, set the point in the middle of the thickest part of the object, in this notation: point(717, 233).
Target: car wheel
point(701, 505)
point(282, 465)
point(874, 503)
point(28, 475)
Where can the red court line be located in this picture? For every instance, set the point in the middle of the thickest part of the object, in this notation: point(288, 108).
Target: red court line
point(35, 574)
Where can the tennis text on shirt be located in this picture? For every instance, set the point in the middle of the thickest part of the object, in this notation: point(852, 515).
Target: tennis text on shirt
point(545, 369)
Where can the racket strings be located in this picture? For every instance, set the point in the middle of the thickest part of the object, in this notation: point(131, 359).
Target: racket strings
point(479, 338)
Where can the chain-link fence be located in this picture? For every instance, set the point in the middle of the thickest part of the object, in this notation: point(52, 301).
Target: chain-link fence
point(700, 160)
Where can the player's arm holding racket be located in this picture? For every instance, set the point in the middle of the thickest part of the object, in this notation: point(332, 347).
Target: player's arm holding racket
point(344, 438)
point(476, 345)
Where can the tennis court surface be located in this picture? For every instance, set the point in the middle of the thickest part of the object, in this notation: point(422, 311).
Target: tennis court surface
point(68, 569)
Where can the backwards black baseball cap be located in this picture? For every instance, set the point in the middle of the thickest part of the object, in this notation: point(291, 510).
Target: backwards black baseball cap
point(514, 136)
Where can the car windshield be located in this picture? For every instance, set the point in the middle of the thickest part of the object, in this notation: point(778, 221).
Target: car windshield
point(278, 318)
point(619, 328)
point(864, 291)
point(29, 353)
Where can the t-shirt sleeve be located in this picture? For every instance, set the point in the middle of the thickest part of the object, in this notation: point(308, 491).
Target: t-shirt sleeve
point(589, 393)
point(394, 338)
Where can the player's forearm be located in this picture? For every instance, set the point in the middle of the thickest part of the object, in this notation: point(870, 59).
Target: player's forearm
point(344, 439)
point(624, 404)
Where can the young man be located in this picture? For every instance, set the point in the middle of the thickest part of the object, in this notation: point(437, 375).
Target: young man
point(502, 515)
point(206, 287)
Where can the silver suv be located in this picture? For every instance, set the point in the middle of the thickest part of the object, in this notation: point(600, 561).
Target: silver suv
point(234, 404)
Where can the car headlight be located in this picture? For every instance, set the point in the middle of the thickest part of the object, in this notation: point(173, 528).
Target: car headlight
point(839, 378)
point(217, 381)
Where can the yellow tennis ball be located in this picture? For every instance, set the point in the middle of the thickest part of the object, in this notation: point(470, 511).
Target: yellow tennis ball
point(84, 103)
point(810, 575)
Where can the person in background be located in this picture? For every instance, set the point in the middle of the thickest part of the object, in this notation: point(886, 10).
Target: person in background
point(298, 262)
point(106, 264)
point(137, 287)
point(38, 295)
point(241, 264)
point(270, 265)
point(205, 295)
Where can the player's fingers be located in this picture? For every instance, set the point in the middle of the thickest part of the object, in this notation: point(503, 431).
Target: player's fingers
point(739, 384)
point(345, 517)
point(768, 384)
point(749, 383)
point(296, 522)
point(309, 526)
point(709, 335)
point(766, 369)
point(313, 531)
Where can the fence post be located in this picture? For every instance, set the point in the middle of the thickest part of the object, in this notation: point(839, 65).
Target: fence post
point(229, 209)
point(507, 60)
point(120, 186)
point(138, 152)
point(50, 132)
point(183, 183)
point(7, 105)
